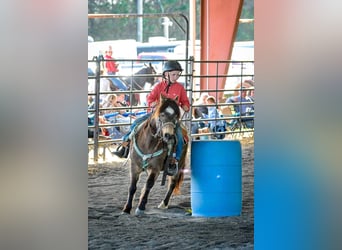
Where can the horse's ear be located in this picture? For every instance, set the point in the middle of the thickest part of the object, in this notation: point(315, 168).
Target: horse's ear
point(150, 65)
point(176, 99)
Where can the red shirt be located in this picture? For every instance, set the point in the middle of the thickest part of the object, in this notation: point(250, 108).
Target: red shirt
point(176, 89)
point(110, 65)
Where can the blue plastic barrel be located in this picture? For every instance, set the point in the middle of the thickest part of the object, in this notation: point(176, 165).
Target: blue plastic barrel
point(216, 178)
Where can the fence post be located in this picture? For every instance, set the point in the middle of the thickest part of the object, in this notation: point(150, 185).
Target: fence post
point(98, 60)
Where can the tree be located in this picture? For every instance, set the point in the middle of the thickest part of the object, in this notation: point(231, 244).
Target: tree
point(126, 28)
point(245, 31)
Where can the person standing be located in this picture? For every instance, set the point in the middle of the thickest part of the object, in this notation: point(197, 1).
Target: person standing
point(111, 66)
point(170, 88)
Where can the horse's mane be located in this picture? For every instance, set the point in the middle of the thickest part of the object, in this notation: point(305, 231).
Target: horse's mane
point(163, 104)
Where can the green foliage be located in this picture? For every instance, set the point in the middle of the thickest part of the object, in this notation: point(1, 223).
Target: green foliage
point(246, 30)
point(126, 28)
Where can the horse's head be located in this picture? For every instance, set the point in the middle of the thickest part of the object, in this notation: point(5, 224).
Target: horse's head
point(145, 74)
point(167, 115)
point(148, 69)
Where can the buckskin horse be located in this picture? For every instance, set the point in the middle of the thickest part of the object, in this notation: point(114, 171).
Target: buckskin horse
point(152, 145)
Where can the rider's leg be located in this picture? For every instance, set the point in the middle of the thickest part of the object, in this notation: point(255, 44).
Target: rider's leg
point(124, 147)
point(180, 142)
point(173, 166)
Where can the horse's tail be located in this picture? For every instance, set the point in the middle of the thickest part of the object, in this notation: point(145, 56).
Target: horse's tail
point(180, 176)
point(179, 182)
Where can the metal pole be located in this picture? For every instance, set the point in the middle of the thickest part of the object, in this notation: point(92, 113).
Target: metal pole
point(192, 15)
point(140, 21)
point(98, 59)
point(166, 24)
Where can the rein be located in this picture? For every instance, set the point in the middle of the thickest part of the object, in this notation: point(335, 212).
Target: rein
point(146, 157)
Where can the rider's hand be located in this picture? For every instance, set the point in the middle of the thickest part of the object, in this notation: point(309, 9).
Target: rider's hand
point(185, 108)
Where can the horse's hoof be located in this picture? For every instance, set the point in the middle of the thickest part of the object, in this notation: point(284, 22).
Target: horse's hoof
point(139, 212)
point(124, 213)
point(162, 205)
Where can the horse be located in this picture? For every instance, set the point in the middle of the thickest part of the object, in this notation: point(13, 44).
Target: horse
point(151, 147)
point(139, 80)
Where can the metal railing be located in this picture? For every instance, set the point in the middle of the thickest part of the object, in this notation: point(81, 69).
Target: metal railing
point(193, 91)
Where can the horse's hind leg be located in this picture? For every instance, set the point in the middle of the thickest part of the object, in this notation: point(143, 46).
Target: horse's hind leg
point(144, 194)
point(131, 191)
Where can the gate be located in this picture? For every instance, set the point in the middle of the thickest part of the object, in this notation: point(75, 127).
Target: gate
point(236, 126)
point(191, 83)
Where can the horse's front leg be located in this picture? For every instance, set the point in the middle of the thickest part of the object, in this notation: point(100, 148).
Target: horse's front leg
point(131, 191)
point(145, 192)
point(165, 203)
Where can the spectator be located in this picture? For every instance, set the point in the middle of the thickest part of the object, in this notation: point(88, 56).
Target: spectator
point(241, 103)
point(110, 102)
point(213, 113)
point(250, 93)
point(111, 66)
point(199, 111)
point(115, 116)
point(122, 100)
point(243, 106)
point(91, 103)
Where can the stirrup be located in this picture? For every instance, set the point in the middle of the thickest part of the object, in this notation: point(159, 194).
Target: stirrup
point(122, 151)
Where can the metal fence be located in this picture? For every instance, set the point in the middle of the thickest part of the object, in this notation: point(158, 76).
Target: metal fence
point(102, 119)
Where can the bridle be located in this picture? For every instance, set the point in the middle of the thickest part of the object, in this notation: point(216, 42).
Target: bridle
point(169, 144)
point(160, 125)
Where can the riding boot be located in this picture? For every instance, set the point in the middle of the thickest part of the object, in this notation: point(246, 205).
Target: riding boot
point(123, 150)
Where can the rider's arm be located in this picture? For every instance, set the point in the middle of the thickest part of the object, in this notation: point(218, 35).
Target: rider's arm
point(153, 96)
point(185, 108)
point(184, 100)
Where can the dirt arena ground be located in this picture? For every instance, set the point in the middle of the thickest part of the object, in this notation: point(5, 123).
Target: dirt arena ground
point(173, 228)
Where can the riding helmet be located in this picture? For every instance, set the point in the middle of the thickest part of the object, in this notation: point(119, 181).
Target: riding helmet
point(171, 65)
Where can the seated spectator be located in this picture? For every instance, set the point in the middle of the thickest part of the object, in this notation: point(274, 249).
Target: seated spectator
point(250, 93)
point(91, 102)
point(196, 124)
point(112, 101)
point(121, 100)
point(199, 111)
point(109, 102)
point(243, 106)
point(213, 113)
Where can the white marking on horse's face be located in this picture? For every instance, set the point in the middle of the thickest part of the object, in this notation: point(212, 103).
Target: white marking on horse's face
point(168, 131)
point(169, 111)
